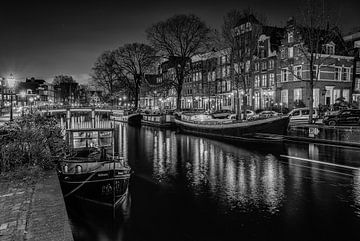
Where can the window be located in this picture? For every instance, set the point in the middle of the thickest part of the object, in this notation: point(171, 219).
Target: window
point(284, 97)
point(358, 67)
point(357, 83)
point(247, 66)
point(256, 66)
point(264, 80)
point(257, 81)
point(290, 37)
point(284, 75)
point(271, 64)
point(291, 52)
point(346, 93)
point(336, 94)
point(282, 53)
point(228, 85)
point(345, 74)
point(337, 73)
point(263, 66)
point(297, 94)
point(329, 48)
point(223, 71)
point(271, 79)
point(297, 72)
point(257, 100)
point(316, 97)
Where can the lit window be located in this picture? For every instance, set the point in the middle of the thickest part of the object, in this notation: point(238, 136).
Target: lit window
point(264, 80)
point(271, 79)
point(291, 52)
point(257, 81)
point(357, 84)
point(271, 64)
point(290, 37)
point(346, 74)
point(297, 94)
point(284, 75)
point(297, 72)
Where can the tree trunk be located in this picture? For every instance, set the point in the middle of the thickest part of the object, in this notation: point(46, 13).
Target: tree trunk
point(238, 107)
point(178, 99)
point(245, 104)
point(311, 85)
point(136, 96)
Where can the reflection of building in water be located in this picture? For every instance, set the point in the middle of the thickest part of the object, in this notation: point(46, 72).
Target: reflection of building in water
point(235, 176)
point(122, 140)
point(165, 154)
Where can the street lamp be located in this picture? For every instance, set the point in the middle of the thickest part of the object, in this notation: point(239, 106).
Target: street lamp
point(11, 84)
point(31, 99)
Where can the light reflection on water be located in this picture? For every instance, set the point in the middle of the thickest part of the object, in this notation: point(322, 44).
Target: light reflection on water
point(234, 177)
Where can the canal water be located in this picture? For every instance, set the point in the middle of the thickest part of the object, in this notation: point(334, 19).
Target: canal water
point(193, 188)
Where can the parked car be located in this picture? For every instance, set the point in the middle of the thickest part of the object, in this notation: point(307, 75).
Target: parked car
point(221, 114)
point(267, 114)
point(343, 117)
point(301, 115)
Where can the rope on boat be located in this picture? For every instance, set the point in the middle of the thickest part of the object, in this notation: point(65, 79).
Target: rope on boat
point(84, 182)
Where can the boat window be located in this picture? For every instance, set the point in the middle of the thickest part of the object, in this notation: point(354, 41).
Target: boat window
point(78, 169)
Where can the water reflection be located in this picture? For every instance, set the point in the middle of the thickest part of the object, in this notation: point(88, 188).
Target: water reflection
point(235, 177)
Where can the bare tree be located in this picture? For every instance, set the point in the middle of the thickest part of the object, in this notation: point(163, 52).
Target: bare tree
point(178, 39)
point(241, 45)
point(135, 60)
point(107, 74)
point(315, 28)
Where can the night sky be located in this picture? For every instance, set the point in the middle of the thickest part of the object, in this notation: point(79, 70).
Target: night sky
point(48, 38)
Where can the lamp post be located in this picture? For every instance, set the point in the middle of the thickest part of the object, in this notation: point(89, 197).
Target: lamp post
point(31, 99)
point(11, 84)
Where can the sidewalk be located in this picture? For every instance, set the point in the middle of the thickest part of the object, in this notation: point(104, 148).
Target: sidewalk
point(33, 211)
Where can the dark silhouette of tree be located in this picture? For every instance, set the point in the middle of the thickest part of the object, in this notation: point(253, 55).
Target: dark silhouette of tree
point(107, 74)
point(316, 26)
point(242, 47)
point(135, 60)
point(66, 88)
point(178, 39)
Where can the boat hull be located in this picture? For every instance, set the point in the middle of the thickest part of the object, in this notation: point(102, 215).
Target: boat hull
point(241, 131)
point(104, 188)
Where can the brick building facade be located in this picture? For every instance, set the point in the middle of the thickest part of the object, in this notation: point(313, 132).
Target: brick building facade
point(334, 72)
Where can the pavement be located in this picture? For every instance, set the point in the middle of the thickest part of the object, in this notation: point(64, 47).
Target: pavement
point(33, 211)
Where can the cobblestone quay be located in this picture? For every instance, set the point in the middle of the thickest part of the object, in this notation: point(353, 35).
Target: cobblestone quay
point(33, 211)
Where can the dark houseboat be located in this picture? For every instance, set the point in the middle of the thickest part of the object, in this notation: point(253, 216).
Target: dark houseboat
point(162, 121)
point(90, 173)
point(248, 131)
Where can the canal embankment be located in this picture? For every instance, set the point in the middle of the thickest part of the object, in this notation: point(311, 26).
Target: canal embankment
point(335, 135)
point(33, 209)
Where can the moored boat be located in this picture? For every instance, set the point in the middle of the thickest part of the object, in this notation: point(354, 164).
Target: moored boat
point(235, 130)
point(95, 176)
point(163, 121)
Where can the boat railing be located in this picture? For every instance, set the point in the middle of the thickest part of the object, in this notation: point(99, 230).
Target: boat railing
point(223, 121)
